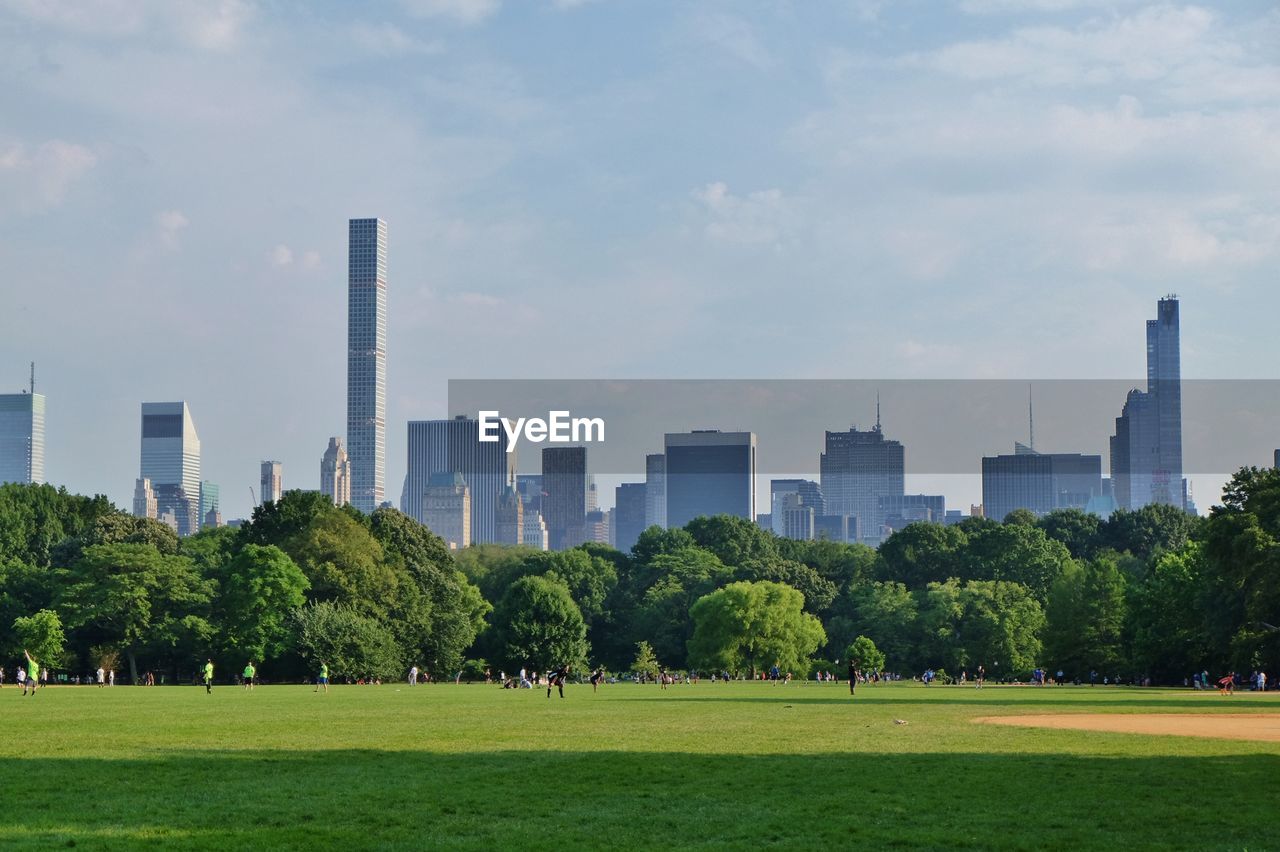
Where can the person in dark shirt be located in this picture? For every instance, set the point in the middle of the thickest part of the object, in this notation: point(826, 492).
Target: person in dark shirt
point(854, 674)
point(556, 679)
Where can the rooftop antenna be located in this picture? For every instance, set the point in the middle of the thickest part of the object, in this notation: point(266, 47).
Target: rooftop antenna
point(877, 411)
point(1031, 417)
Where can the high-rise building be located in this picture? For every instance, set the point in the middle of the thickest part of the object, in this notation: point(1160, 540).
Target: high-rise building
point(630, 504)
point(1039, 482)
point(454, 446)
point(595, 527)
point(858, 468)
point(22, 437)
point(792, 517)
point(446, 509)
point(842, 528)
point(529, 487)
point(710, 472)
point(535, 531)
point(564, 495)
point(1146, 450)
point(367, 360)
point(900, 511)
point(335, 473)
point(509, 517)
point(171, 460)
point(655, 490)
point(1276, 463)
point(807, 491)
point(209, 503)
point(272, 482)
point(144, 500)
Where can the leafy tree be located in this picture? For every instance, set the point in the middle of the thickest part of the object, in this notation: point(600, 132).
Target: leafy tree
point(1078, 531)
point(1015, 553)
point(353, 645)
point(819, 592)
point(733, 540)
point(656, 541)
point(537, 624)
point(260, 589)
point(1021, 517)
point(1169, 635)
point(753, 625)
point(886, 613)
point(34, 519)
point(41, 634)
point(921, 553)
point(646, 662)
point(1146, 531)
point(677, 580)
point(342, 561)
point(843, 564)
point(865, 655)
point(1085, 617)
point(118, 528)
point(134, 597)
point(275, 521)
point(1000, 626)
point(211, 549)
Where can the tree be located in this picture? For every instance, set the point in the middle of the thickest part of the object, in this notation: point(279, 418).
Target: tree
point(921, 553)
point(1078, 531)
point(342, 561)
point(1143, 532)
point(656, 541)
point(1168, 633)
point(1085, 617)
point(1015, 553)
point(1000, 626)
point(819, 592)
point(865, 655)
point(753, 625)
point(352, 645)
point(34, 519)
point(646, 663)
point(41, 635)
point(675, 581)
point(1021, 517)
point(139, 599)
point(260, 589)
point(733, 540)
point(886, 613)
point(537, 624)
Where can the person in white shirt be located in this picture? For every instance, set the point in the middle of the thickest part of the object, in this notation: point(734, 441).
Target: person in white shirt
point(1262, 681)
point(413, 676)
point(102, 677)
point(111, 678)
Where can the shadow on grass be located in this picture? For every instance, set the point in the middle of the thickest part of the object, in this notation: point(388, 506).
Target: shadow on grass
point(363, 799)
point(1013, 701)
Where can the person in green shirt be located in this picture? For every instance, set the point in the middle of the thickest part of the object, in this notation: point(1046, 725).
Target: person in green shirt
point(33, 673)
point(249, 672)
point(208, 677)
point(323, 679)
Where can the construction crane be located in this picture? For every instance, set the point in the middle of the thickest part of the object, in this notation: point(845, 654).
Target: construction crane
point(253, 498)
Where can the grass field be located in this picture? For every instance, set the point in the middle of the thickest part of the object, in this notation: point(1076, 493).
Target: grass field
point(741, 766)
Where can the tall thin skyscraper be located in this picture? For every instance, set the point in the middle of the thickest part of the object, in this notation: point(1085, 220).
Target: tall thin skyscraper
point(171, 460)
point(210, 505)
point(655, 493)
point(1146, 450)
point(335, 473)
point(367, 360)
point(272, 481)
point(454, 446)
point(22, 437)
point(629, 511)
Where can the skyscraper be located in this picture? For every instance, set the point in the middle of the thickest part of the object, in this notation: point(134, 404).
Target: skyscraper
point(335, 473)
point(509, 517)
point(858, 468)
point(709, 472)
point(655, 493)
point(1038, 482)
point(454, 446)
point(808, 493)
point(629, 510)
point(171, 460)
point(22, 437)
point(1146, 450)
point(564, 495)
point(210, 505)
point(446, 509)
point(272, 482)
point(144, 500)
point(367, 360)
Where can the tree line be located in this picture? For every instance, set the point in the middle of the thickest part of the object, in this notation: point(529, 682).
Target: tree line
point(1153, 593)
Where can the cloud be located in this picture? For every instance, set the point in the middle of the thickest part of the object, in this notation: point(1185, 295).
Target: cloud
point(763, 217)
point(205, 24)
point(1000, 7)
point(169, 224)
point(466, 12)
point(280, 256)
point(733, 36)
point(38, 178)
point(389, 40)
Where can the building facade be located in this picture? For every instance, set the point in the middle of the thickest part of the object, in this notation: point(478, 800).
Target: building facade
point(454, 446)
point(709, 472)
point(564, 495)
point(22, 437)
point(144, 500)
point(335, 473)
point(1146, 449)
point(367, 361)
point(509, 517)
point(1039, 482)
point(655, 495)
point(446, 509)
point(210, 504)
point(272, 482)
point(630, 512)
point(170, 458)
point(857, 469)
point(807, 492)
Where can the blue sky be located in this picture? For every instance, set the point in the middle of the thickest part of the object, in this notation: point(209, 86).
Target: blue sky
point(980, 188)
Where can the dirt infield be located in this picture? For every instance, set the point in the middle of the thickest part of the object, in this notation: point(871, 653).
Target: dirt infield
point(1227, 726)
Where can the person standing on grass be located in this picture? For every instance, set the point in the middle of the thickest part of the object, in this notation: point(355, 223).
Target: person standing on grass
point(981, 676)
point(33, 673)
point(323, 679)
point(1262, 681)
point(413, 676)
point(208, 677)
point(1, 676)
point(111, 678)
point(249, 672)
point(556, 679)
point(854, 674)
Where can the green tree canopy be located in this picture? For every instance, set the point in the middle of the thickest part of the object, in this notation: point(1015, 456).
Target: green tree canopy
point(865, 655)
point(921, 553)
point(41, 635)
point(538, 625)
point(260, 589)
point(353, 645)
point(1085, 617)
point(752, 626)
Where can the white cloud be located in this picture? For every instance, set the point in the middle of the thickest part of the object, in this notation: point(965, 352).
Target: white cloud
point(280, 256)
point(169, 224)
point(734, 36)
point(994, 7)
point(205, 24)
point(35, 179)
point(389, 40)
point(467, 12)
point(763, 217)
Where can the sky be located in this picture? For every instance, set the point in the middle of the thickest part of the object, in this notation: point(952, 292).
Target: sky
point(609, 189)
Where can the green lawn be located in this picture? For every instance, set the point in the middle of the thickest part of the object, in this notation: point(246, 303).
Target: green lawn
point(741, 766)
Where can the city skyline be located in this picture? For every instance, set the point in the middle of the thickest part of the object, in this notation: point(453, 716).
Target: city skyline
point(996, 191)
